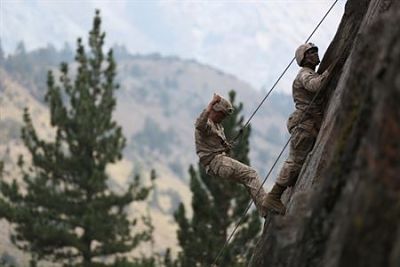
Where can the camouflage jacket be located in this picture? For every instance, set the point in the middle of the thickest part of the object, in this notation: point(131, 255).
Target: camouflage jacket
point(210, 139)
point(305, 86)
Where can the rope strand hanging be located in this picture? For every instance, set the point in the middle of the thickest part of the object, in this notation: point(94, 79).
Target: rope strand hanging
point(220, 253)
point(282, 74)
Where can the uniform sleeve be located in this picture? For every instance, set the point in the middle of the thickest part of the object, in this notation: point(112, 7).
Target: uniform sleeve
point(202, 122)
point(312, 81)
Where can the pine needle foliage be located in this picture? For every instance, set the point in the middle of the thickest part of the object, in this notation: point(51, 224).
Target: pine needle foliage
point(65, 211)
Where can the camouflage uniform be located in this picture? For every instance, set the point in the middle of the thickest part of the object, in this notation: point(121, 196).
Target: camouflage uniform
point(307, 118)
point(212, 148)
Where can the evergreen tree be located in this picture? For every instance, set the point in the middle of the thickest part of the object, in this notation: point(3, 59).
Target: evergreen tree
point(2, 56)
point(217, 206)
point(19, 62)
point(20, 49)
point(168, 261)
point(65, 211)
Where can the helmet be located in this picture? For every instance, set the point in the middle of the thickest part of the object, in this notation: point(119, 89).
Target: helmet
point(223, 105)
point(301, 50)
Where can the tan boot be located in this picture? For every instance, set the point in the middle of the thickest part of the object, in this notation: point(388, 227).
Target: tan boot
point(273, 200)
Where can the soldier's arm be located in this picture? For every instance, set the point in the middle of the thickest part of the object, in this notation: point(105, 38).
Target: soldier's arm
point(313, 81)
point(202, 121)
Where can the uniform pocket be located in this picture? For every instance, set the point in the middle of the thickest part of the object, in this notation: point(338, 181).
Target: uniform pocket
point(225, 171)
point(293, 120)
point(224, 167)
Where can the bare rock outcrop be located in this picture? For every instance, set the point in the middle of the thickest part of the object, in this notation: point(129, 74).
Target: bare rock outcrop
point(345, 208)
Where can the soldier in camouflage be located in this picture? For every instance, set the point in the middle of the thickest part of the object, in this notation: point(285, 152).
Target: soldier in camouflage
point(303, 124)
point(213, 148)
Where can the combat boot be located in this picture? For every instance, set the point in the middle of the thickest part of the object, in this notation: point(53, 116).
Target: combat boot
point(273, 200)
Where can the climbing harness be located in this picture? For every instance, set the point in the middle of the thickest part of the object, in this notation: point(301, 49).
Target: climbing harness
point(220, 253)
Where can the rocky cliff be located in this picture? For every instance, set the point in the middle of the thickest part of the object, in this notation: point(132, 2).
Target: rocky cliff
point(345, 208)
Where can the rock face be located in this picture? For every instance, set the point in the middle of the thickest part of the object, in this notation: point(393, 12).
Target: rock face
point(345, 208)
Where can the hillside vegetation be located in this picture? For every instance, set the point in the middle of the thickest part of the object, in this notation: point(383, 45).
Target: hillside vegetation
point(159, 99)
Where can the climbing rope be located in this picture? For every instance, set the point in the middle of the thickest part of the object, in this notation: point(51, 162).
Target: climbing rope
point(220, 253)
point(259, 189)
point(280, 77)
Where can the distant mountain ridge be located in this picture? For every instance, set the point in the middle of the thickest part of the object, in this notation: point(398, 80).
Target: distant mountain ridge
point(159, 100)
point(163, 95)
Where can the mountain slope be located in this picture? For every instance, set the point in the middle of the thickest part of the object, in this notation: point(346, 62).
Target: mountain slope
point(168, 94)
point(345, 208)
point(157, 105)
point(163, 96)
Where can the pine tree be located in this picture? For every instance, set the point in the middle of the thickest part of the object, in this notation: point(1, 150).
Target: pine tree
point(65, 211)
point(2, 56)
point(20, 49)
point(217, 206)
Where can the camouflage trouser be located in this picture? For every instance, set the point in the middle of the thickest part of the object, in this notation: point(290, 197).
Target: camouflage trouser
point(228, 168)
point(301, 144)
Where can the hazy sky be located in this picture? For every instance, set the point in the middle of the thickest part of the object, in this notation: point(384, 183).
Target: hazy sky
point(254, 40)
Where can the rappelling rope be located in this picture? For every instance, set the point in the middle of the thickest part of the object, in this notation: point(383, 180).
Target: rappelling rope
point(284, 147)
point(280, 77)
point(259, 189)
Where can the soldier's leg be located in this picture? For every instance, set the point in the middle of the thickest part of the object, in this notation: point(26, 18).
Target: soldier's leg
point(301, 144)
point(228, 168)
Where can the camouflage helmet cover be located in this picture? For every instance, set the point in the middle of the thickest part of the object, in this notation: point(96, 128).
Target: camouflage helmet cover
point(223, 105)
point(300, 51)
